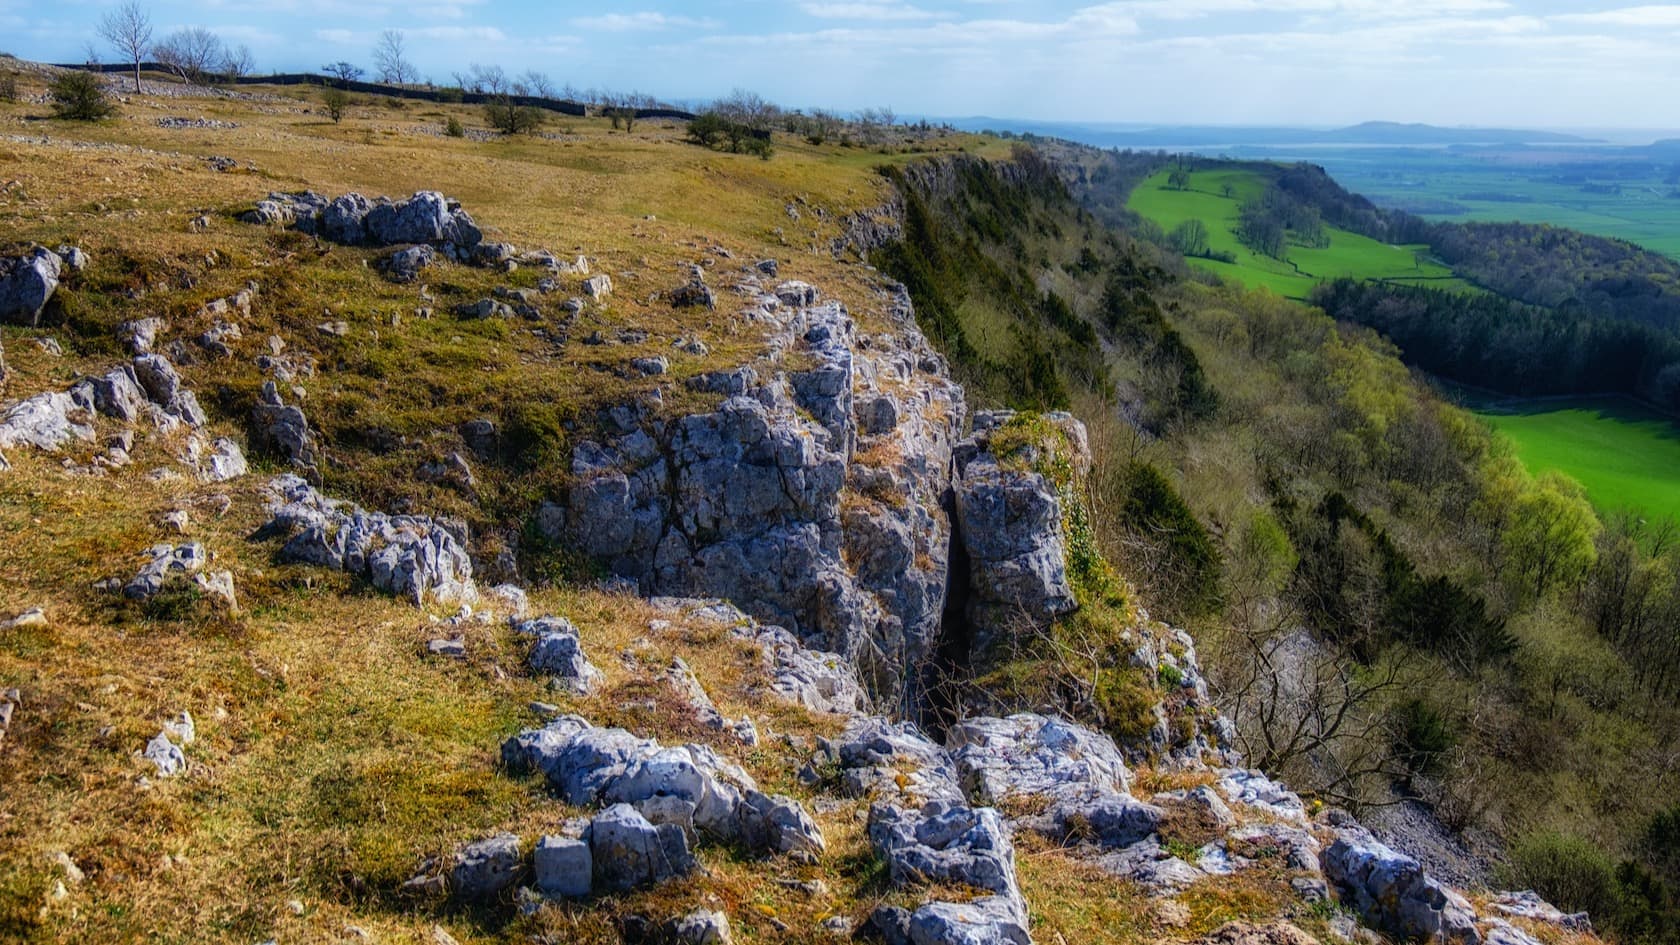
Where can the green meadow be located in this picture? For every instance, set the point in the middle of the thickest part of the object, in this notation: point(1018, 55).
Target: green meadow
point(1627, 456)
point(1214, 198)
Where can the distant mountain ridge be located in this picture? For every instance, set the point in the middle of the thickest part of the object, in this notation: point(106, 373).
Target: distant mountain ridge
point(1206, 136)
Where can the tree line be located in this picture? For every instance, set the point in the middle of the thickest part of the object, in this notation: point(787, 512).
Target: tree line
point(1515, 348)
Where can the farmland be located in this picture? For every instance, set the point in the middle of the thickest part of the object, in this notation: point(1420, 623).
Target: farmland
point(1214, 197)
point(1625, 455)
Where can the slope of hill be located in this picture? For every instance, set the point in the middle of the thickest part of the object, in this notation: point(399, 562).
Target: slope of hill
point(498, 699)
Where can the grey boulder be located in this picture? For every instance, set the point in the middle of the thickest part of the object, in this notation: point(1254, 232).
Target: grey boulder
point(628, 851)
point(486, 869)
point(1391, 891)
point(564, 867)
point(27, 283)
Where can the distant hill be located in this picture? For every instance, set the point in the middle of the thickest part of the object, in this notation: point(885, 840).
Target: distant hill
point(1170, 137)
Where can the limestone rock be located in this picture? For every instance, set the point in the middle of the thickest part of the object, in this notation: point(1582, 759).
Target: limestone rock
point(141, 334)
point(1528, 905)
point(344, 220)
point(1011, 527)
point(1245, 933)
point(876, 757)
point(486, 869)
point(1030, 755)
point(778, 825)
point(218, 587)
point(627, 851)
point(598, 287)
point(1152, 867)
point(410, 556)
point(559, 653)
point(404, 265)
point(563, 867)
point(46, 421)
point(163, 563)
point(166, 755)
point(421, 218)
point(226, 462)
point(27, 283)
point(1391, 891)
point(701, 927)
point(953, 844)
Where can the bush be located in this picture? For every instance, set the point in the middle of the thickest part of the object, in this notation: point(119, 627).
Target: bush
point(451, 94)
point(1573, 874)
point(453, 128)
point(1423, 734)
point(510, 118)
point(8, 87)
point(80, 96)
point(337, 102)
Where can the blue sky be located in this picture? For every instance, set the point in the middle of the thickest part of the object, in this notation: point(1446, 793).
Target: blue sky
point(1316, 62)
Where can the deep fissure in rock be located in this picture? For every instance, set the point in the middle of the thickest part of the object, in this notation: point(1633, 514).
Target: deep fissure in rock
point(938, 703)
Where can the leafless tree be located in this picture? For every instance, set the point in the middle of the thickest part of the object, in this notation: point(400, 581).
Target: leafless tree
point(90, 54)
point(239, 62)
point(128, 29)
point(344, 72)
point(389, 57)
point(489, 80)
point(190, 53)
point(747, 108)
point(537, 83)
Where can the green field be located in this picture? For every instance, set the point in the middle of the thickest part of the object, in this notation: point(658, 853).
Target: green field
point(1348, 255)
point(1530, 186)
point(1627, 456)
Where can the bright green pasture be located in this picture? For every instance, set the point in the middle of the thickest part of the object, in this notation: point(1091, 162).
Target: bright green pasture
point(1348, 255)
point(1627, 457)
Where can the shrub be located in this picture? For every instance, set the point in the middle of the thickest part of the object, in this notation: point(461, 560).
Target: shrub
point(453, 128)
point(1181, 557)
point(8, 87)
point(451, 94)
point(511, 118)
point(80, 96)
point(1572, 873)
point(1422, 735)
point(337, 103)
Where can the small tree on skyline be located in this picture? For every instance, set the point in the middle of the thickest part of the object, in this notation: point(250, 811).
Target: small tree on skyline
point(128, 29)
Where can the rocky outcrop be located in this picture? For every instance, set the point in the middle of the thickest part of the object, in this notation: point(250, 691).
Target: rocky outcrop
point(27, 284)
point(148, 387)
point(1010, 514)
point(283, 429)
point(955, 845)
point(427, 217)
point(1390, 890)
point(743, 502)
point(558, 654)
point(690, 787)
point(410, 556)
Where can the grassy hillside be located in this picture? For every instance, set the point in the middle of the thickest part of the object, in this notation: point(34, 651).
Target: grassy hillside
point(334, 754)
point(1214, 196)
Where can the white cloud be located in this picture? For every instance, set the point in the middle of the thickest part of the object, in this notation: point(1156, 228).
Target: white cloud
point(646, 20)
point(1647, 17)
point(868, 11)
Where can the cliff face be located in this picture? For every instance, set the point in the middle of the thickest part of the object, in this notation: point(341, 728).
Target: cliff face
point(816, 496)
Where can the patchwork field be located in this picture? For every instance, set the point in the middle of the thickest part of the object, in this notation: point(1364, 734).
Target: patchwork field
point(1214, 198)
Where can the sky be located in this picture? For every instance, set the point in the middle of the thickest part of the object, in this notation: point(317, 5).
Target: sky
point(1529, 63)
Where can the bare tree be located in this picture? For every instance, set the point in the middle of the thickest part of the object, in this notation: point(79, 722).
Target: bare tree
point(128, 29)
point(190, 53)
point(344, 72)
point(747, 108)
point(537, 83)
point(389, 57)
point(90, 54)
point(239, 62)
